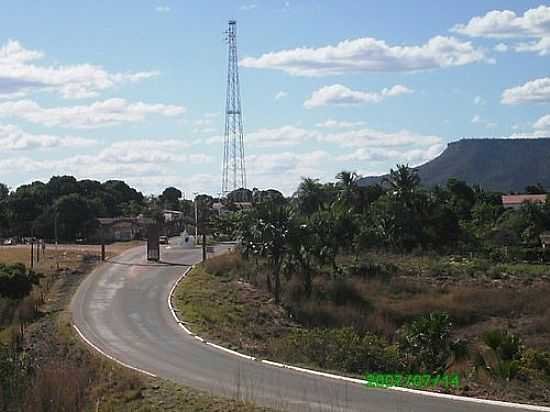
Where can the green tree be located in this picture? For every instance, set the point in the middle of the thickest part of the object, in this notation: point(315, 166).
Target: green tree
point(170, 197)
point(348, 189)
point(16, 281)
point(403, 181)
point(310, 196)
point(270, 233)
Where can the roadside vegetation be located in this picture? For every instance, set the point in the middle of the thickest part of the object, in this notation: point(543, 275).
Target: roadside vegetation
point(395, 279)
point(45, 367)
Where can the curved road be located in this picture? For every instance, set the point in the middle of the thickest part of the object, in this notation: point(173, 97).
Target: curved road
point(122, 309)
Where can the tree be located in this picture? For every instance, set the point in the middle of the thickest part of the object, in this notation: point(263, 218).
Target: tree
point(403, 181)
point(121, 191)
point(270, 233)
point(4, 192)
point(348, 194)
point(170, 196)
point(310, 196)
point(537, 189)
point(15, 281)
point(76, 217)
point(462, 197)
point(240, 195)
point(302, 241)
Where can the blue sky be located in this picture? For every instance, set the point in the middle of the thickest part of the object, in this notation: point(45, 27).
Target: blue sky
point(135, 90)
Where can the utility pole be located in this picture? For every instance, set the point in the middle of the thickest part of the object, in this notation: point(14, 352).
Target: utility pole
point(102, 245)
point(234, 173)
point(203, 247)
point(32, 252)
point(196, 218)
point(56, 243)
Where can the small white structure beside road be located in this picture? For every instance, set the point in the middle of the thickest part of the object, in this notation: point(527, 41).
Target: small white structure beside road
point(186, 241)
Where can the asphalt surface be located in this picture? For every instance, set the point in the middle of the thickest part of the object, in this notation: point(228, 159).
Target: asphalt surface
point(121, 308)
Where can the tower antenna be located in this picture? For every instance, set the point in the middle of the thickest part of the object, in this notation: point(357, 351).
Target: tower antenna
point(234, 173)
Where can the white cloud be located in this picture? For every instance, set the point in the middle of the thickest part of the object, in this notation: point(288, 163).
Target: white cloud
point(98, 114)
point(534, 91)
point(336, 124)
point(265, 170)
point(541, 47)
point(204, 130)
point(369, 55)
point(507, 24)
point(247, 7)
point(290, 135)
point(130, 160)
point(478, 120)
point(19, 75)
point(285, 162)
point(501, 48)
point(376, 138)
point(162, 9)
point(147, 151)
point(280, 95)
point(13, 138)
point(479, 100)
point(502, 24)
point(338, 94)
point(280, 136)
point(411, 156)
point(543, 123)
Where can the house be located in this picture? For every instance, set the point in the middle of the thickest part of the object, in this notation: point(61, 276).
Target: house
point(174, 222)
point(115, 229)
point(515, 201)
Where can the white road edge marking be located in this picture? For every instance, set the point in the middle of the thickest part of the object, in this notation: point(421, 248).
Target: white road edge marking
point(511, 405)
point(85, 339)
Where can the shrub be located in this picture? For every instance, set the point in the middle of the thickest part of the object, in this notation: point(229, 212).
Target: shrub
point(339, 349)
point(15, 281)
point(505, 344)
point(506, 351)
point(427, 341)
point(535, 361)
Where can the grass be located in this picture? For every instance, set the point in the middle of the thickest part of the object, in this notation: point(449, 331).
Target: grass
point(72, 377)
point(228, 309)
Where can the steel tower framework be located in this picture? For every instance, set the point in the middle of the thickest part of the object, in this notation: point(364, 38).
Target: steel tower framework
point(234, 173)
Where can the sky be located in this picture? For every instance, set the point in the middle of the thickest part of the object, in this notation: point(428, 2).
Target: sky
point(135, 90)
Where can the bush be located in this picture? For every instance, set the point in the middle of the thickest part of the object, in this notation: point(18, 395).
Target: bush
point(427, 341)
point(15, 281)
point(506, 348)
point(339, 349)
point(505, 344)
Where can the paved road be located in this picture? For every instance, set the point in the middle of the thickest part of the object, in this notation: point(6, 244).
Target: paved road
point(122, 309)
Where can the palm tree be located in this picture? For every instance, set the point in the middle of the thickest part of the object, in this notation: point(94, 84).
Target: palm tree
point(403, 181)
point(349, 189)
point(309, 196)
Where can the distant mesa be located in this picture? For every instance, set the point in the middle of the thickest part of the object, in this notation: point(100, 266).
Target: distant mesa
point(503, 165)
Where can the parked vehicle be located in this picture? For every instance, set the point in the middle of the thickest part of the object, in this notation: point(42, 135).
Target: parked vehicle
point(163, 240)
